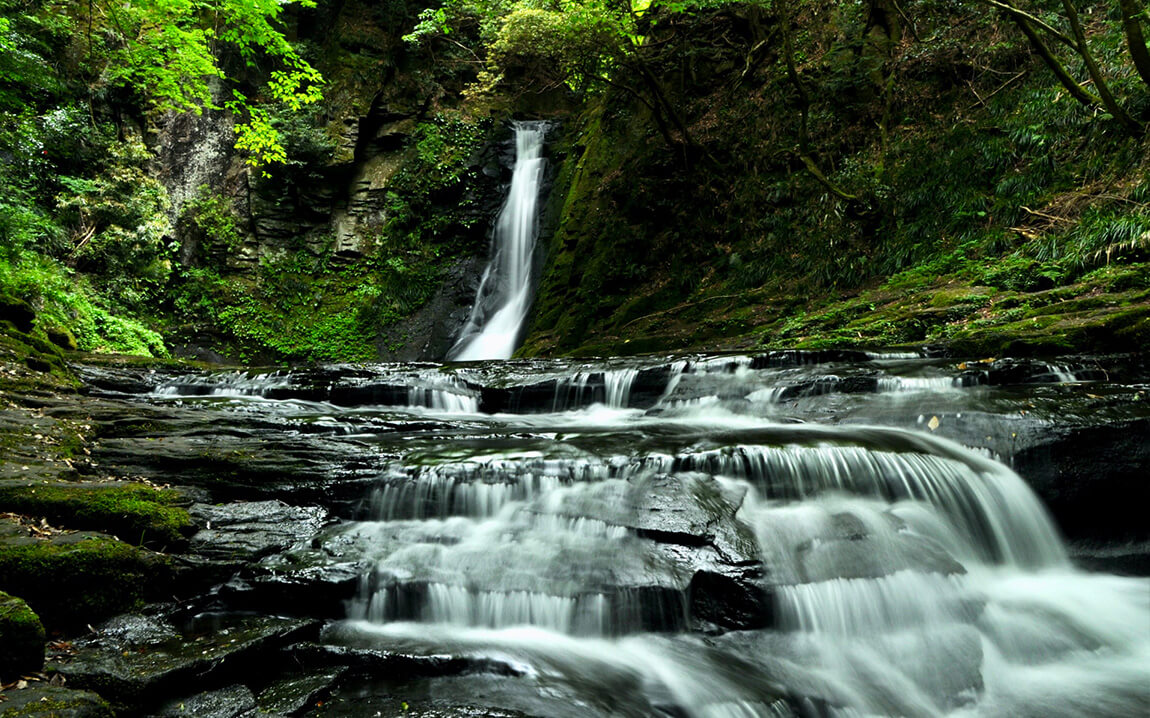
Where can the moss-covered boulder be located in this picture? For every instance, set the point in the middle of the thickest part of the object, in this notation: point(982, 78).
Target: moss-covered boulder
point(74, 579)
point(18, 312)
point(62, 337)
point(135, 513)
point(22, 636)
point(44, 701)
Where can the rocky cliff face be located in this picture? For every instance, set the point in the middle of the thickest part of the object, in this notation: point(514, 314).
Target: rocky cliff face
point(392, 185)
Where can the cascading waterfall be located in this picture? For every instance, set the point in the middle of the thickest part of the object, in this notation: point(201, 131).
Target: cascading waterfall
point(495, 325)
point(719, 554)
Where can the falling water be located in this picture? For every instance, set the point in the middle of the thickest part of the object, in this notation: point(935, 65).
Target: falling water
point(735, 549)
point(494, 327)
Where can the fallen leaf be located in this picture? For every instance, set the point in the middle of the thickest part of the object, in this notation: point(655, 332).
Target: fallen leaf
point(933, 423)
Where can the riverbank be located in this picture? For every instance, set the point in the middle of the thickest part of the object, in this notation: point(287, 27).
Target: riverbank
point(1108, 311)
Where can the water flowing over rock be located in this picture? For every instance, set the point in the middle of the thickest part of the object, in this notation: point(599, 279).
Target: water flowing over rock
point(495, 327)
point(770, 535)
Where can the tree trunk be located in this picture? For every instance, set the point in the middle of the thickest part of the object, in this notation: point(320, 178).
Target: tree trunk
point(1133, 126)
point(1135, 39)
point(804, 106)
point(1076, 91)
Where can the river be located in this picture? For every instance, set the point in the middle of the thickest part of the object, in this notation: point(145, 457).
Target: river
point(808, 534)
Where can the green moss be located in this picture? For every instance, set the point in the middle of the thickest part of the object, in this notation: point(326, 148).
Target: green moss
point(139, 514)
point(77, 579)
point(22, 636)
point(62, 337)
point(40, 700)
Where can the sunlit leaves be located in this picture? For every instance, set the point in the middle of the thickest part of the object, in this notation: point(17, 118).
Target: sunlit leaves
point(168, 50)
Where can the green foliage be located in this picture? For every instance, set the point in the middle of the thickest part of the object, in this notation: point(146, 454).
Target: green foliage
point(65, 300)
point(585, 44)
point(214, 224)
point(427, 197)
point(1109, 235)
point(303, 309)
point(119, 223)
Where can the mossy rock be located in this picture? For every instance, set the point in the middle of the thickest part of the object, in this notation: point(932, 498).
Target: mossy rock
point(72, 580)
point(138, 514)
point(44, 701)
point(62, 337)
point(18, 312)
point(22, 636)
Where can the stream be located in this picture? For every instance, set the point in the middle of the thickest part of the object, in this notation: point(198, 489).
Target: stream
point(783, 534)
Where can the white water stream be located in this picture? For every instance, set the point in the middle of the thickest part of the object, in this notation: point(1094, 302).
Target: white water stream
point(494, 328)
point(904, 574)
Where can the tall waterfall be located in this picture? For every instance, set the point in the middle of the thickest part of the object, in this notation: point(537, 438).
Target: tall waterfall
point(493, 329)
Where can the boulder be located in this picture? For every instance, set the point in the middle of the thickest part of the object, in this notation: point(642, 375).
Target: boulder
point(22, 636)
point(40, 700)
point(136, 661)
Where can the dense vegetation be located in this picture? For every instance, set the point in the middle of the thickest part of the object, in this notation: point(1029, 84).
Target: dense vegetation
point(730, 174)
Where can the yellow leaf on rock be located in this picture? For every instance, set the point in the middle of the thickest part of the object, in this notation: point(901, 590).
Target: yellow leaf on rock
point(933, 423)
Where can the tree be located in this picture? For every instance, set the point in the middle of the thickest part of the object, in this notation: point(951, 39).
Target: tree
point(584, 44)
point(1133, 15)
point(1036, 29)
point(169, 51)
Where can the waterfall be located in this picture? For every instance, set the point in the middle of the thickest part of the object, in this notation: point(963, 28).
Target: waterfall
point(494, 327)
point(697, 536)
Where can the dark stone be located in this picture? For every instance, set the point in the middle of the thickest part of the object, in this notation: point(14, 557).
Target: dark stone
point(1093, 479)
point(831, 385)
point(395, 665)
point(732, 599)
point(135, 630)
point(223, 703)
point(247, 531)
point(292, 695)
point(1123, 558)
point(794, 358)
point(137, 661)
point(18, 312)
point(321, 589)
point(1011, 371)
point(523, 399)
point(381, 394)
point(101, 382)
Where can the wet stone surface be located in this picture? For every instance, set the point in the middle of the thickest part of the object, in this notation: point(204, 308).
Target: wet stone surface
point(777, 534)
